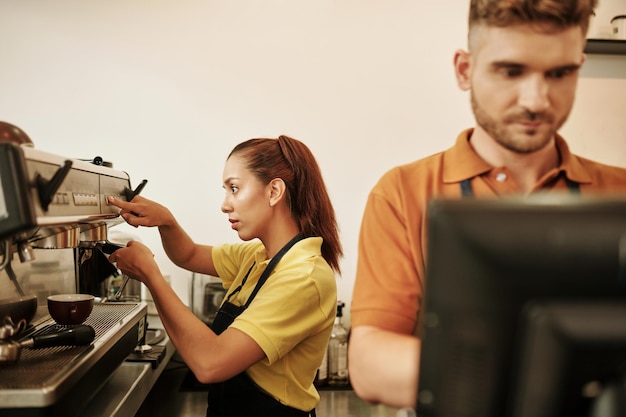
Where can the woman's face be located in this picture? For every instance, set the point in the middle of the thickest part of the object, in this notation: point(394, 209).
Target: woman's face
point(246, 201)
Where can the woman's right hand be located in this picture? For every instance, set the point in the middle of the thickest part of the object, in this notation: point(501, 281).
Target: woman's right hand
point(143, 212)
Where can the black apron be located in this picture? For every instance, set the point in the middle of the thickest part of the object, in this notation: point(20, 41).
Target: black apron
point(240, 396)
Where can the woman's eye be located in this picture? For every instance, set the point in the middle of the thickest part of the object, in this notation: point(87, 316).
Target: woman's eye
point(233, 189)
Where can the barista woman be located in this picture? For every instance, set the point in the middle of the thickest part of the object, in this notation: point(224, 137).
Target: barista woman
point(262, 351)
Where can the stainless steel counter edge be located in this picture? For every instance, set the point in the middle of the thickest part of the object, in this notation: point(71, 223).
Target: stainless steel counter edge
point(126, 389)
point(62, 382)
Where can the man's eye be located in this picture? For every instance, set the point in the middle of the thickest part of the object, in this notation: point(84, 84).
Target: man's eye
point(512, 72)
point(559, 73)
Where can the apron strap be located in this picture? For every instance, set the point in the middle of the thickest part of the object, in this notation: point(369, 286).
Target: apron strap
point(243, 281)
point(467, 192)
point(466, 189)
point(573, 187)
point(266, 273)
point(270, 267)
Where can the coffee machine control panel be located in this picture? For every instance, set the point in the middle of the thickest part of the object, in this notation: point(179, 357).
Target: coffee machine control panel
point(82, 193)
point(39, 189)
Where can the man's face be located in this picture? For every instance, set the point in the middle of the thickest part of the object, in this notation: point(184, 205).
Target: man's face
point(522, 81)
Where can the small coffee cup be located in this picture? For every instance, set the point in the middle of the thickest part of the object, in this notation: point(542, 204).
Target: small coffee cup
point(70, 309)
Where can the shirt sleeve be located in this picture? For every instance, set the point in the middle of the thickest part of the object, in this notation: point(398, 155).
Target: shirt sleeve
point(228, 259)
point(390, 267)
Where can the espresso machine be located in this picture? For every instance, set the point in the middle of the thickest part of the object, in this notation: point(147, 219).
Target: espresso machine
point(54, 223)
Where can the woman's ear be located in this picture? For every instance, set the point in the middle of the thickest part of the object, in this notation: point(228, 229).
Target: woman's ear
point(277, 190)
point(462, 64)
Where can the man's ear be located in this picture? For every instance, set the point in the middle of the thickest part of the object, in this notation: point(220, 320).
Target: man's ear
point(462, 64)
point(277, 190)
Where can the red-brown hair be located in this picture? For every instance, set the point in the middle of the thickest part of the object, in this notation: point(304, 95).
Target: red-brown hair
point(307, 198)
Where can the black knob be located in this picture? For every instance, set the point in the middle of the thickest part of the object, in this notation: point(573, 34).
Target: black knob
point(47, 188)
point(130, 194)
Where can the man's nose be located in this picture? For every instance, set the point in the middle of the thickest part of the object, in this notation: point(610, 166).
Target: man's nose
point(534, 94)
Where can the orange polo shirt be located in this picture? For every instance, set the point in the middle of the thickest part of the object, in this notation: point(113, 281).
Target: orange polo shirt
point(392, 242)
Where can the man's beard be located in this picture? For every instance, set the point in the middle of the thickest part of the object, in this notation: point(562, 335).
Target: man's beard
point(502, 132)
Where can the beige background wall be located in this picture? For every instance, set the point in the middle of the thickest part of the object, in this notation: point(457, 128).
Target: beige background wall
point(164, 89)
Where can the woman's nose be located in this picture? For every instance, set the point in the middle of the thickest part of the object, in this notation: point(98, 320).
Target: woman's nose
point(226, 208)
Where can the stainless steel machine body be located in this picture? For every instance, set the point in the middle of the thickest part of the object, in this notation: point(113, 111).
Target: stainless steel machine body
point(55, 217)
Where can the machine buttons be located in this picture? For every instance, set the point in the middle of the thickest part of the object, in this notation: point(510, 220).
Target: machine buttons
point(85, 199)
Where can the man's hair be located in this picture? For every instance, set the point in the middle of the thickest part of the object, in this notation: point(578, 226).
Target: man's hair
point(559, 13)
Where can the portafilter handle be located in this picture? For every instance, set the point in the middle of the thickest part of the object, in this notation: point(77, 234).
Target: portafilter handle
point(80, 335)
point(109, 247)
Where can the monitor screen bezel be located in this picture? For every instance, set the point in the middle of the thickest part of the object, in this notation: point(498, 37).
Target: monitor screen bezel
point(487, 259)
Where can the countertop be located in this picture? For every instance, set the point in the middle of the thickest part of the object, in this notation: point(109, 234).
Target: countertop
point(175, 394)
point(137, 389)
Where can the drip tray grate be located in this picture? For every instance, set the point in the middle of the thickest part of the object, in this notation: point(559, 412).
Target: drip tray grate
point(40, 368)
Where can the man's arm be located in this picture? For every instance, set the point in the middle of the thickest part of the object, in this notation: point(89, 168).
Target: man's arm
point(384, 366)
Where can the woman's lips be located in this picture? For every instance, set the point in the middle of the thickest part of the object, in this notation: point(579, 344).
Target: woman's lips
point(233, 223)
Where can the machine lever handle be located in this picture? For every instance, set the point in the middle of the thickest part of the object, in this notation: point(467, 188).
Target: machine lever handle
point(130, 194)
point(47, 188)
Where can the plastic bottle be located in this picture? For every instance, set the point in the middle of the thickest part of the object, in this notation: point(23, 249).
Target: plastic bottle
point(321, 377)
point(338, 351)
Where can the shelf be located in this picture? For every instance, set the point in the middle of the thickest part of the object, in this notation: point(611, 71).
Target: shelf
point(606, 46)
point(328, 387)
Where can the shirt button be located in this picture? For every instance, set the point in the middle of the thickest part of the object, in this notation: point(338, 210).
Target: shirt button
point(500, 177)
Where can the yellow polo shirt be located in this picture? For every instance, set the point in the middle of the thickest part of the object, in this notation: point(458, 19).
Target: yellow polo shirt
point(290, 318)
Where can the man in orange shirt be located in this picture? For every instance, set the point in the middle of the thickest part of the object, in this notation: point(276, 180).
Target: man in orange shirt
point(521, 69)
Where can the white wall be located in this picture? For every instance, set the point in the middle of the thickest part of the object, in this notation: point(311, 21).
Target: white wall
point(164, 89)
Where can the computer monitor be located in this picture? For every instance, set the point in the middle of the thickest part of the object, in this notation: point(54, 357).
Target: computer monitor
point(524, 308)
